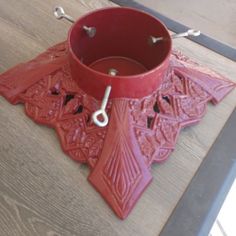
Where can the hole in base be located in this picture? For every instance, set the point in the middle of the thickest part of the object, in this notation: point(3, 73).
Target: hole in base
point(156, 108)
point(68, 98)
point(166, 98)
point(79, 109)
point(149, 121)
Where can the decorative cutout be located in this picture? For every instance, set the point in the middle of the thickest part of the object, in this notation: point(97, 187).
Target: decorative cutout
point(140, 131)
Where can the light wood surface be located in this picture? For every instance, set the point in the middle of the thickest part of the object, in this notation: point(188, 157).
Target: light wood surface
point(42, 191)
point(215, 18)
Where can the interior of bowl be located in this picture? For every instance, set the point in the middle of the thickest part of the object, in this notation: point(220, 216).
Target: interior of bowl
point(121, 33)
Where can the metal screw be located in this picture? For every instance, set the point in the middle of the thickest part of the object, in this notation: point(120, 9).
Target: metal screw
point(190, 32)
point(91, 31)
point(113, 72)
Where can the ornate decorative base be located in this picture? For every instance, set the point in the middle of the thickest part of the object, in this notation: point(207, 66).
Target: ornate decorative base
point(140, 131)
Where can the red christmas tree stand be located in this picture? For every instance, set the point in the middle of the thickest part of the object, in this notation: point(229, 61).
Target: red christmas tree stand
point(146, 109)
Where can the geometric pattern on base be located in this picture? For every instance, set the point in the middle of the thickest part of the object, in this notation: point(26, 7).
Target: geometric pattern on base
point(140, 131)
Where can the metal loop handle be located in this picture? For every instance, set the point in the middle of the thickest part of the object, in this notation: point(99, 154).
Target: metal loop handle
point(59, 13)
point(102, 111)
point(190, 32)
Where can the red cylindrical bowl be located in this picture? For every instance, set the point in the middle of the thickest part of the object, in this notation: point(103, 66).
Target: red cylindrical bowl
point(121, 43)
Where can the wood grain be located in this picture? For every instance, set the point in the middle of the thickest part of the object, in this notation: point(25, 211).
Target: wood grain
point(215, 18)
point(42, 191)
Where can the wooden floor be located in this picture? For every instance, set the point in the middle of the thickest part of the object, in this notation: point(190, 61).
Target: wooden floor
point(42, 191)
point(215, 18)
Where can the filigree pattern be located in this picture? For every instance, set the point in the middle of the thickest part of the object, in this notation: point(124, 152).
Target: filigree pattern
point(140, 131)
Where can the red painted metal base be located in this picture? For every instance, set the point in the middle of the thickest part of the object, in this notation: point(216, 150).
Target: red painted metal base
point(140, 131)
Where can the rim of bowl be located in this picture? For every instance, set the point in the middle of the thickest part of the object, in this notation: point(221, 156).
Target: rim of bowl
point(117, 76)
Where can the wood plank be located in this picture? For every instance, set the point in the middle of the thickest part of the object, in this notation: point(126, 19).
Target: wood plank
point(215, 18)
point(200, 205)
point(42, 191)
